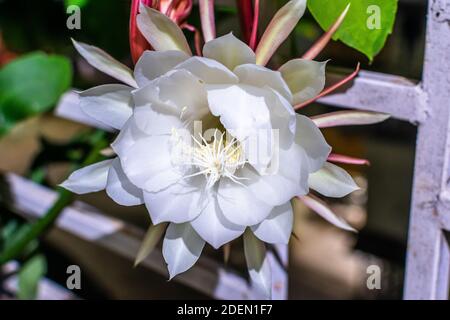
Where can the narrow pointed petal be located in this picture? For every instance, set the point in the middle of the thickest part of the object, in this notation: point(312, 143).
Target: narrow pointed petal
point(277, 228)
point(111, 104)
point(88, 179)
point(340, 158)
point(258, 264)
point(120, 189)
point(323, 41)
point(161, 32)
point(102, 61)
point(208, 20)
point(325, 212)
point(332, 181)
point(305, 78)
point(181, 248)
point(226, 253)
point(230, 51)
point(151, 239)
point(279, 30)
point(349, 118)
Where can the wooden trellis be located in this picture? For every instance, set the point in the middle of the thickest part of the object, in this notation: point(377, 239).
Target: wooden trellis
point(426, 105)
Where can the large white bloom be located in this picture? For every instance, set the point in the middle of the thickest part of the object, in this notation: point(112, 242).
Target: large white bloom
point(209, 187)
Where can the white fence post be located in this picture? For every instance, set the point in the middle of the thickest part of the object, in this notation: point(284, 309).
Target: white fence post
point(427, 275)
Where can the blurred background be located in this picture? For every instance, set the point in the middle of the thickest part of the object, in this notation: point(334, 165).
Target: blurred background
point(324, 262)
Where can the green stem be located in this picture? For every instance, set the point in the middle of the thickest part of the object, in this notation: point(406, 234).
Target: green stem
point(64, 199)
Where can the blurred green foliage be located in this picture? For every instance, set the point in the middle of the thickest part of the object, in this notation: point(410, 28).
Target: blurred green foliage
point(29, 276)
point(30, 85)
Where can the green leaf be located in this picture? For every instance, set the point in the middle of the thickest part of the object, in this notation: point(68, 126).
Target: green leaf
point(30, 85)
point(360, 29)
point(29, 275)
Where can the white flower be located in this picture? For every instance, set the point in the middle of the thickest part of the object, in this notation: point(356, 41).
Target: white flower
point(209, 187)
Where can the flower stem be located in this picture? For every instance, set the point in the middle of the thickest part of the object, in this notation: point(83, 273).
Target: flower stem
point(64, 199)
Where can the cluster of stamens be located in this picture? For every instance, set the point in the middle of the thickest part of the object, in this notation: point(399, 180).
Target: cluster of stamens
point(216, 159)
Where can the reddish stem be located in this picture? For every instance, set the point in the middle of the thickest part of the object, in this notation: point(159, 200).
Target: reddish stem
point(323, 40)
point(245, 8)
point(340, 158)
point(197, 37)
point(138, 44)
point(255, 24)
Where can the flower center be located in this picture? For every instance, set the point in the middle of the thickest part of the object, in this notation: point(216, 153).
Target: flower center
point(216, 159)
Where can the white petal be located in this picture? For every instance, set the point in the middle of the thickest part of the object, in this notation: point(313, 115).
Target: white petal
point(260, 76)
point(288, 180)
point(153, 64)
point(178, 203)
point(230, 51)
point(305, 78)
point(240, 206)
point(332, 181)
point(283, 118)
point(277, 228)
point(110, 104)
point(349, 118)
point(127, 137)
point(214, 228)
point(244, 112)
point(242, 109)
point(258, 264)
point(105, 63)
point(181, 248)
point(208, 70)
point(322, 209)
point(88, 179)
point(157, 119)
point(148, 164)
point(311, 139)
point(120, 188)
point(179, 90)
point(160, 31)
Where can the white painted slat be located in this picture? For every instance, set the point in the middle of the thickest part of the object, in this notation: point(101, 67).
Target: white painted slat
point(398, 96)
point(87, 223)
